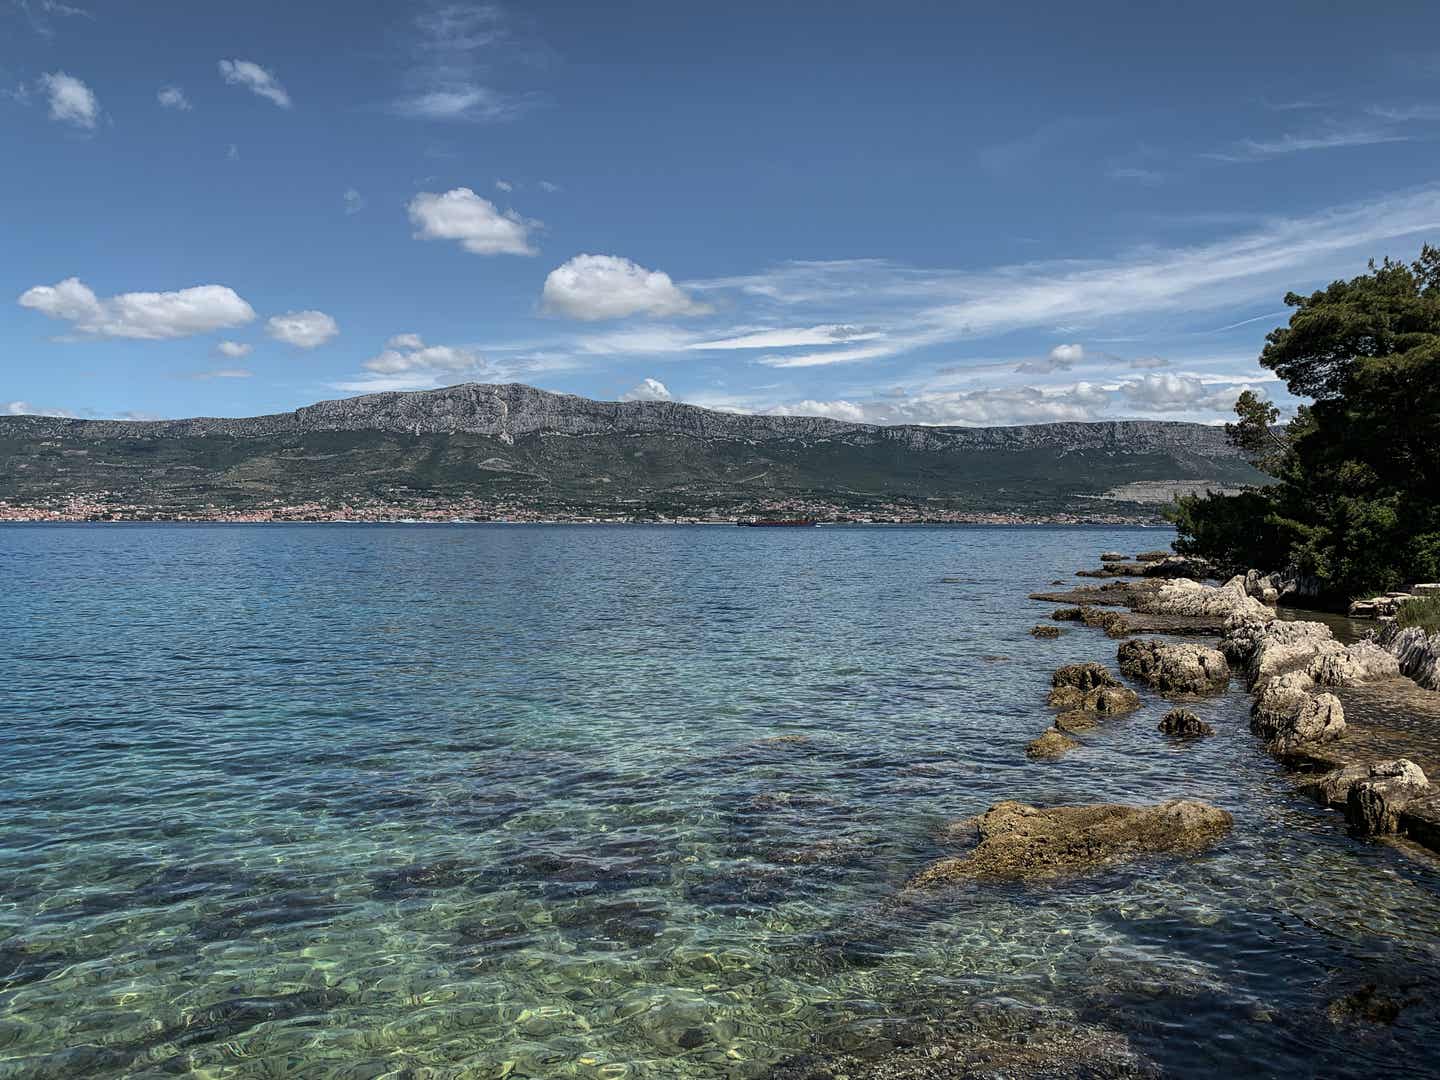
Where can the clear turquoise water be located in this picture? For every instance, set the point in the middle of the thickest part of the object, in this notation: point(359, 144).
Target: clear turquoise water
point(349, 801)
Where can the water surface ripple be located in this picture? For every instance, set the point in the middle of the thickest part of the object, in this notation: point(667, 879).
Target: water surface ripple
point(475, 801)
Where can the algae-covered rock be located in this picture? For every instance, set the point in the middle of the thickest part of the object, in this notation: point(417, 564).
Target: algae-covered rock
point(1175, 668)
point(1086, 676)
point(1050, 745)
point(1076, 720)
point(1112, 699)
point(1042, 631)
point(1019, 842)
point(1184, 724)
point(1068, 614)
point(1066, 697)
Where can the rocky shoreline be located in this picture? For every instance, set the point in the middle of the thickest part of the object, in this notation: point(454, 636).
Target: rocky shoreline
point(1297, 673)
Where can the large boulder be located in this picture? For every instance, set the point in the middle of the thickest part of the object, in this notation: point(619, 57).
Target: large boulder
point(1112, 699)
point(1333, 788)
point(1019, 842)
point(1286, 713)
point(1373, 805)
point(1175, 668)
point(1266, 648)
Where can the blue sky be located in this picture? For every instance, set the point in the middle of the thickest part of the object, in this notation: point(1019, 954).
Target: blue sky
point(909, 212)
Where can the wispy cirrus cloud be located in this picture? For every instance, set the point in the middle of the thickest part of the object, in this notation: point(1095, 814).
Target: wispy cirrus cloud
point(258, 80)
point(456, 53)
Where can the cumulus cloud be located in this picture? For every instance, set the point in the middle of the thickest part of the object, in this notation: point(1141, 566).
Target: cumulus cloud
point(479, 226)
point(593, 287)
point(303, 329)
point(1060, 358)
point(256, 79)
point(648, 390)
point(1177, 393)
point(71, 101)
point(149, 316)
point(354, 201)
point(235, 350)
point(172, 97)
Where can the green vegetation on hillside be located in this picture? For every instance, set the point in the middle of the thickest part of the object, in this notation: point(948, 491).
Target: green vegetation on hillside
point(1356, 473)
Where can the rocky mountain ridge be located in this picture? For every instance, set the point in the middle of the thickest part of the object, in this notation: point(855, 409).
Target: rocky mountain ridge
point(511, 411)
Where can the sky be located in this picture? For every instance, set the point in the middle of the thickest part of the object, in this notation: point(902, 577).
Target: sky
point(915, 212)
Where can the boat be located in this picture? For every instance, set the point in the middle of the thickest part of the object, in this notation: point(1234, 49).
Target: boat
point(774, 523)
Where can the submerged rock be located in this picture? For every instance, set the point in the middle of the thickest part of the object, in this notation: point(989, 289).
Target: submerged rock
point(1370, 1005)
point(1019, 842)
point(1175, 668)
point(1042, 631)
point(1050, 745)
point(1184, 724)
point(1077, 720)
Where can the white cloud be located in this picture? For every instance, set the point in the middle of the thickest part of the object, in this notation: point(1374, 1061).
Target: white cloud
point(504, 185)
point(40, 13)
point(791, 337)
point(1060, 358)
point(24, 408)
point(407, 363)
point(474, 221)
point(303, 329)
point(456, 45)
point(592, 287)
point(149, 316)
point(71, 101)
point(648, 390)
point(354, 201)
point(835, 356)
point(989, 406)
point(172, 97)
point(224, 373)
point(546, 185)
point(1171, 392)
point(1260, 149)
point(235, 350)
point(1143, 362)
point(256, 79)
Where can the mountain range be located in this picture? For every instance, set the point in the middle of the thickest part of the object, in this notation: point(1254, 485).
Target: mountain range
point(516, 446)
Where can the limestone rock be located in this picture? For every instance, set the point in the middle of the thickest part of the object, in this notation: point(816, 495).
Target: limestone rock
point(1175, 668)
point(1267, 648)
point(1286, 713)
point(1043, 631)
point(1050, 745)
point(1066, 697)
point(1177, 566)
point(1112, 556)
point(1019, 842)
point(1363, 661)
point(1333, 788)
point(1185, 597)
point(1417, 653)
point(1373, 805)
point(1184, 724)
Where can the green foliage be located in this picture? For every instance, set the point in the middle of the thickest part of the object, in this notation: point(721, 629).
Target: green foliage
point(1358, 471)
point(1423, 612)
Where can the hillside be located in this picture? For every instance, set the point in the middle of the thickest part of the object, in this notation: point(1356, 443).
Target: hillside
point(515, 446)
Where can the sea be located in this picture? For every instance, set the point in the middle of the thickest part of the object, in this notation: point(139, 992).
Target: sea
point(433, 801)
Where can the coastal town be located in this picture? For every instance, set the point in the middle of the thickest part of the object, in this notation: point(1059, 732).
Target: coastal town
point(109, 507)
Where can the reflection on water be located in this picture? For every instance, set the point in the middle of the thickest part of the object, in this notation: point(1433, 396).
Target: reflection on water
point(618, 802)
